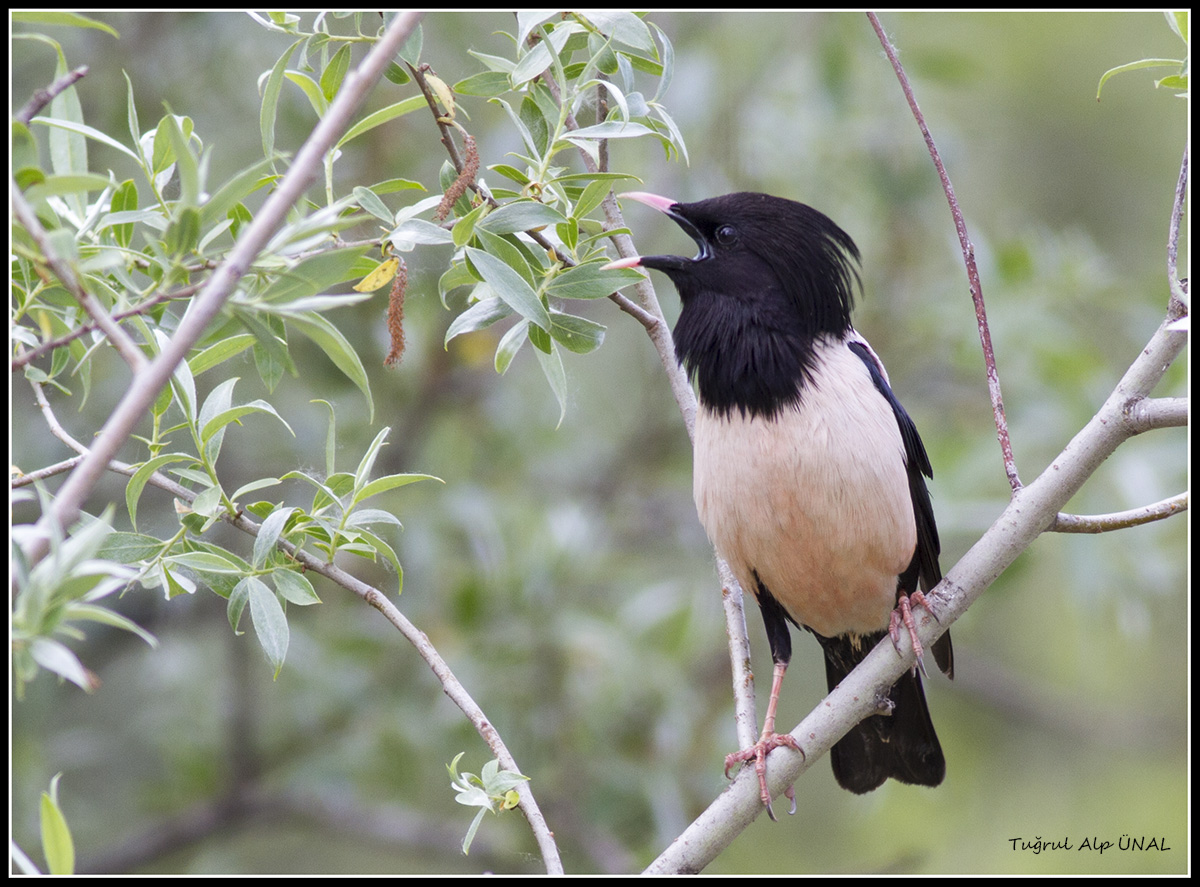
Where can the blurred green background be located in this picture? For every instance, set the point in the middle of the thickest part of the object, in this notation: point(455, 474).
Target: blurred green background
point(562, 572)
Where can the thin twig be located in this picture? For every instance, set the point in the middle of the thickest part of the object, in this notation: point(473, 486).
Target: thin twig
point(1120, 520)
point(1178, 306)
point(27, 357)
point(968, 250)
point(65, 273)
point(1150, 413)
point(43, 97)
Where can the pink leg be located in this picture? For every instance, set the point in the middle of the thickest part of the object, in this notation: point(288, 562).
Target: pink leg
point(768, 742)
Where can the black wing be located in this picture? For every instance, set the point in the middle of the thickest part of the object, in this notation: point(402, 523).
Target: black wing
point(924, 567)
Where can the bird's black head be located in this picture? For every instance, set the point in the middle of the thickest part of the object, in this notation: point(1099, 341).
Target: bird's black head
point(772, 276)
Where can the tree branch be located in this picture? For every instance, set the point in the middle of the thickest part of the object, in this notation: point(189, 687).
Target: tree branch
point(968, 251)
point(43, 97)
point(1178, 305)
point(1120, 520)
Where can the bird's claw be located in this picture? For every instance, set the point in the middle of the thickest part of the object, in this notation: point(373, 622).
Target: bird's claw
point(758, 753)
point(903, 615)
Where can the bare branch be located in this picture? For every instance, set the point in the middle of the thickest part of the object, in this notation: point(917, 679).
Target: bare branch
point(43, 97)
point(1150, 413)
point(1178, 306)
point(1120, 520)
point(37, 353)
point(968, 251)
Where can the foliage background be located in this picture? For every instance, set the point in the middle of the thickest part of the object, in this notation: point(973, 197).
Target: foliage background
point(562, 572)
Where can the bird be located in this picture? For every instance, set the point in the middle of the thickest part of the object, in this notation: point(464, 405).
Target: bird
point(809, 477)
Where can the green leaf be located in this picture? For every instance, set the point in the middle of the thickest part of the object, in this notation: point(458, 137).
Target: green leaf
point(295, 587)
point(183, 234)
point(104, 616)
point(552, 368)
point(216, 354)
point(124, 199)
point(71, 19)
point(590, 282)
point(233, 191)
point(485, 83)
point(85, 130)
point(314, 274)
point(338, 349)
point(521, 215)
point(57, 844)
point(189, 173)
point(390, 482)
point(59, 660)
point(577, 334)
point(1135, 66)
point(624, 27)
point(479, 316)
point(130, 548)
point(370, 201)
point(383, 115)
point(510, 286)
point(270, 622)
point(335, 72)
point(266, 116)
point(133, 490)
point(510, 344)
point(269, 534)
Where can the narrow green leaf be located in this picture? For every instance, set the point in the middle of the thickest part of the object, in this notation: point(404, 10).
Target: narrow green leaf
point(589, 282)
point(576, 334)
point(56, 836)
point(219, 352)
point(510, 344)
point(55, 17)
point(269, 534)
point(266, 117)
point(552, 368)
point(295, 587)
point(270, 622)
point(521, 215)
point(510, 286)
point(314, 274)
point(83, 129)
point(104, 616)
point(335, 72)
point(133, 490)
point(390, 482)
point(383, 115)
point(338, 349)
point(479, 316)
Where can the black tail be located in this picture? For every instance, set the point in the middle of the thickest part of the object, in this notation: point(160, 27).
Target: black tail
point(902, 746)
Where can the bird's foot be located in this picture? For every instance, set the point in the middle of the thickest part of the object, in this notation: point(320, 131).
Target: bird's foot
point(903, 615)
point(758, 753)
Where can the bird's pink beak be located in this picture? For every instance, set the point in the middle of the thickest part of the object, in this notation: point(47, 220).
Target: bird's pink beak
point(655, 201)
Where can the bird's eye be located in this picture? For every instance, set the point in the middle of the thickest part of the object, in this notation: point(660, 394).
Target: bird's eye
point(726, 235)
